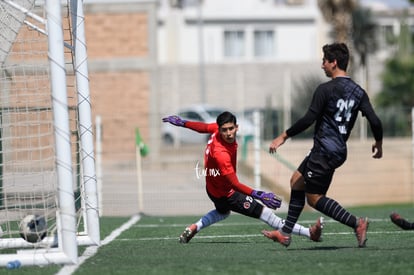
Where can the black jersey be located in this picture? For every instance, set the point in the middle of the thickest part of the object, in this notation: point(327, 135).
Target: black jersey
point(334, 107)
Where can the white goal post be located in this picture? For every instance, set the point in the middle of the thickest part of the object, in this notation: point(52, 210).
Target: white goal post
point(47, 164)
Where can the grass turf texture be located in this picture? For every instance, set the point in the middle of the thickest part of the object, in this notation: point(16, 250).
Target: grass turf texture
point(236, 246)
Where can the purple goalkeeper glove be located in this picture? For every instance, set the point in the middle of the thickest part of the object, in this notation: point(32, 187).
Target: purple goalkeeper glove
point(175, 120)
point(269, 199)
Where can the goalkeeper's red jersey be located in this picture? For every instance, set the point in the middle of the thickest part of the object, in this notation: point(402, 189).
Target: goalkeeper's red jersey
point(220, 160)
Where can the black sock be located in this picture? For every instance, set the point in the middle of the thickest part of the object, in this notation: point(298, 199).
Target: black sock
point(296, 204)
point(332, 209)
point(404, 224)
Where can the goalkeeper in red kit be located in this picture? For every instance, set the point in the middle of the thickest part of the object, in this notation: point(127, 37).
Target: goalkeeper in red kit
point(223, 186)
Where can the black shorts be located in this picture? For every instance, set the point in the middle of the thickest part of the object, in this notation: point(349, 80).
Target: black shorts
point(239, 203)
point(318, 169)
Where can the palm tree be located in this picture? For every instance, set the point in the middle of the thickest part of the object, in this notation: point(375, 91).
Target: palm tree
point(364, 34)
point(364, 42)
point(338, 13)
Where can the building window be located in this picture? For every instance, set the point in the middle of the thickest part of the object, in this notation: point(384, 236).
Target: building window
point(263, 43)
point(234, 43)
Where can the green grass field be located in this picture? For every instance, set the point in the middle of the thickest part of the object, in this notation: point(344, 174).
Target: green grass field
point(236, 246)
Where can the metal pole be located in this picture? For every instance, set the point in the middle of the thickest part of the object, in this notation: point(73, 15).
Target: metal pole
point(85, 123)
point(412, 154)
point(140, 150)
point(287, 105)
point(412, 136)
point(362, 120)
point(98, 131)
point(1, 163)
point(257, 159)
point(140, 189)
point(62, 131)
point(201, 53)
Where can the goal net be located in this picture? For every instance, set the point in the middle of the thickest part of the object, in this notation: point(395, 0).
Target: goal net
point(46, 142)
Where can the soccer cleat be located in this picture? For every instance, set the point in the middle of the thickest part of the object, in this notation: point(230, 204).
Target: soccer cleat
point(399, 221)
point(316, 230)
point(188, 233)
point(278, 236)
point(361, 231)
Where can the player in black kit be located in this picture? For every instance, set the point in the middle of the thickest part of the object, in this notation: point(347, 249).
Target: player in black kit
point(334, 109)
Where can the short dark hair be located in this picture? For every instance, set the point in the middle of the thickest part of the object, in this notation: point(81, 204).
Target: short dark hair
point(225, 117)
point(338, 52)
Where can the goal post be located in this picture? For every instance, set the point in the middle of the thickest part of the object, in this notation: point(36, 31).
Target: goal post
point(66, 199)
point(46, 137)
point(89, 181)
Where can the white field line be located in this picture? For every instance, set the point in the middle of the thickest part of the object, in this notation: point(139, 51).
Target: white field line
point(349, 232)
point(254, 222)
point(132, 222)
point(255, 235)
point(92, 250)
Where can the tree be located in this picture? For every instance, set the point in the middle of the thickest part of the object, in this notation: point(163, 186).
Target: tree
point(398, 77)
point(397, 94)
point(338, 13)
point(364, 33)
point(398, 83)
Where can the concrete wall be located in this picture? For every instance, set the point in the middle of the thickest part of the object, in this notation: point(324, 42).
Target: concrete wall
point(361, 180)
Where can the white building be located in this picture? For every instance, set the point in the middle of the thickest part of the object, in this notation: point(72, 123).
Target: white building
point(244, 54)
point(388, 15)
point(225, 31)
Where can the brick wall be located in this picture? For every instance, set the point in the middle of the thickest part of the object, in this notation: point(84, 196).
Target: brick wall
point(121, 99)
point(117, 38)
point(117, 35)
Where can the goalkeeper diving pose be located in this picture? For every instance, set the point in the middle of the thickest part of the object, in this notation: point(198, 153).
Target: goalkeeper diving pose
point(223, 186)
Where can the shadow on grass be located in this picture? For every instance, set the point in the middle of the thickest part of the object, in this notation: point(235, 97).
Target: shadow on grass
point(225, 242)
point(325, 248)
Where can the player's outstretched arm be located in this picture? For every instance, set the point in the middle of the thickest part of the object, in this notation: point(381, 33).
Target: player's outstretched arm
point(175, 120)
point(197, 126)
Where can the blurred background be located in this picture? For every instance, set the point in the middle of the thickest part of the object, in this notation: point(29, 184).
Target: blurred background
point(149, 59)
